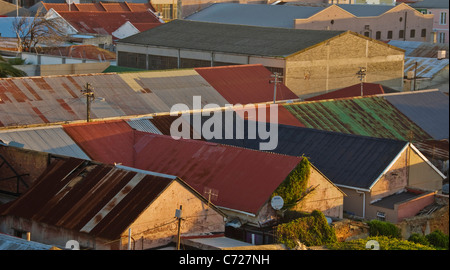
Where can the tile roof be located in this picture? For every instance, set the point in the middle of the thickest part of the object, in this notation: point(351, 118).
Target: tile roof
point(264, 41)
point(244, 83)
point(347, 160)
point(428, 109)
point(243, 178)
point(97, 199)
point(352, 91)
point(367, 116)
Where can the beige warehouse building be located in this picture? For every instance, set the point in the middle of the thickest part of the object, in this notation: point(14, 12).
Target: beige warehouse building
point(312, 62)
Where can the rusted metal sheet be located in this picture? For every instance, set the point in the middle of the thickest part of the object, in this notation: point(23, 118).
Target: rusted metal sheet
point(368, 116)
point(96, 199)
point(368, 89)
point(244, 179)
point(243, 84)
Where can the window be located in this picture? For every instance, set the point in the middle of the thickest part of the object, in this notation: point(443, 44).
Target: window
point(412, 33)
point(424, 32)
point(443, 18)
point(367, 34)
point(441, 38)
point(401, 34)
point(381, 216)
point(378, 35)
point(389, 35)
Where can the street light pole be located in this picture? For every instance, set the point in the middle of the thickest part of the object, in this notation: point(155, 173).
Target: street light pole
point(362, 74)
point(277, 76)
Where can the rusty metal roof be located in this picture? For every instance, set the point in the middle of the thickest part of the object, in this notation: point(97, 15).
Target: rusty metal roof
point(97, 199)
point(367, 116)
point(244, 179)
point(245, 83)
point(368, 89)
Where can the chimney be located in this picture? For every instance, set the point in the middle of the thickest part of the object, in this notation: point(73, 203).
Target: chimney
point(441, 54)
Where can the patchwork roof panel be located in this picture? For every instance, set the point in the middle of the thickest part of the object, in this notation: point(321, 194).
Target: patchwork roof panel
point(367, 116)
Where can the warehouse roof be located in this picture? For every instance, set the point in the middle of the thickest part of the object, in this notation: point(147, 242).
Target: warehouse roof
point(429, 109)
point(254, 14)
point(347, 160)
point(368, 89)
point(244, 179)
point(98, 199)
point(229, 38)
point(369, 116)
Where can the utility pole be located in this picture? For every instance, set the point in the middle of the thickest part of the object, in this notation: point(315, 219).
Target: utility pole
point(415, 72)
point(361, 74)
point(89, 93)
point(178, 215)
point(277, 76)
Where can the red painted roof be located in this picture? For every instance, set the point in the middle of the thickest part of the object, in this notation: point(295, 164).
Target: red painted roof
point(243, 178)
point(284, 116)
point(105, 22)
point(244, 84)
point(369, 89)
point(104, 7)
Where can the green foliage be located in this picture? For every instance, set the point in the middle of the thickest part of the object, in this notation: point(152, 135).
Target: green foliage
point(383, 228)
point(419, 239)
point(16, 61)
point(7, 70)
point(386, 243)
point(312, 230)
point(294, 186)
point(438, 239)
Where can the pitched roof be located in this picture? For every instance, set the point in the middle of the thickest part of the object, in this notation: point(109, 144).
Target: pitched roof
point(243, 178)
point(98, 199)
point(81, 51)
point(9, 242)
point(254, 14)
point(265, 41)
point(101, 6)
point(365, 10)
point(52, 99)
point(419, 49)
point(439, 4)
point(244, 83)
point(367, 116)
point(44, 139)
point(105, 23)
point(10, 10)
point(369, 89)
point(347, 160)
point(426, 67)
point(427, 109)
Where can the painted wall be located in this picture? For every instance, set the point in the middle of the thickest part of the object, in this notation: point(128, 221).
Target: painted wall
point(399, 18)
point(334, 64)
point(421, 174)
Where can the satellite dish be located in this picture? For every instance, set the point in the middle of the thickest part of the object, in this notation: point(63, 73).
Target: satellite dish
point(277, 202)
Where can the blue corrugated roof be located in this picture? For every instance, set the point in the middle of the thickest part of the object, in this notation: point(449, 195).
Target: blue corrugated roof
point(428, 109)
point(347, 160)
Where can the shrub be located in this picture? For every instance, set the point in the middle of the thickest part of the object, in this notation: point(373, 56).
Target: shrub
point(383, 228)
point(312, 230)
point(438, 239)
point(419, 239)
point(386, 243)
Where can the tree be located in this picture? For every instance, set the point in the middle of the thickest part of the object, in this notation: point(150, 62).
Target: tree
point(31, 31)
point(8, 70)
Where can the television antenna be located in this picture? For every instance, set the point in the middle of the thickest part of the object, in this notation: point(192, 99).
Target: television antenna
point(210, 194)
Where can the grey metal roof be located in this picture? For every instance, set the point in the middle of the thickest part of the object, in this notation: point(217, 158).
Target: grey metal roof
point(366, 10)
point(254, 14)
point(419, 49)
point(143, 124)
point(426, 67)
point(8, 242)
point(229, 38)
point(428, 109)
point(347, 160)
point(391, 200)
point(45, 139)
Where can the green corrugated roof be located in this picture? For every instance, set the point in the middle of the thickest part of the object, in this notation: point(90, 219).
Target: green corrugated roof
point(371, 116)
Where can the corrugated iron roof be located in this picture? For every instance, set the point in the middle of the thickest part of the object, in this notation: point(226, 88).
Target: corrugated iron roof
point(244, 179)
point(369, 89)
point(367, 116)
point(347, 160)
point(105, 7)
point(96, 199)
point(9, 242)
point(426, 67)
point(420, 49)
point(245, 83)
point(44, 139)
point(428, 109)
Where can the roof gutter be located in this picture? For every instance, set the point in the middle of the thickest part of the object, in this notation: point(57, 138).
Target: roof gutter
point(237, 211)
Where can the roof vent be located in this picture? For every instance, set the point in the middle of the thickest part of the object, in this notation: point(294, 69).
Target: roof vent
point(441, 54)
